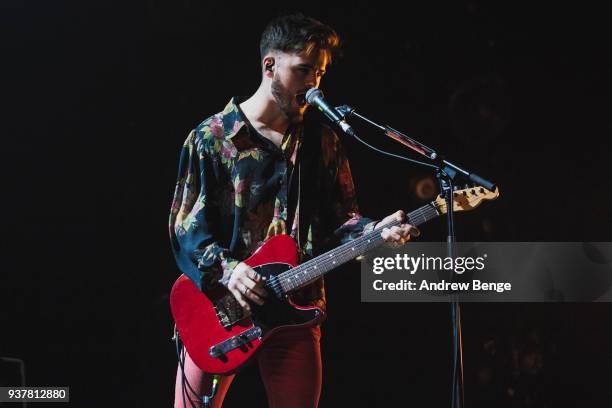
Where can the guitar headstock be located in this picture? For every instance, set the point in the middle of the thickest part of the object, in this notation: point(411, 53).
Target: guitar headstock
point(466, 199)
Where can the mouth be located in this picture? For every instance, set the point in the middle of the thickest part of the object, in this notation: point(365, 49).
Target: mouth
point(301, 99)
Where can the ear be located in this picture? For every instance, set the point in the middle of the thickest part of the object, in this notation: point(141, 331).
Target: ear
point(268, 66)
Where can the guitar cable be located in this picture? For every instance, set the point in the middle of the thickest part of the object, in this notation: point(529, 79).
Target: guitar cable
point(181, 355)
point(208, 398)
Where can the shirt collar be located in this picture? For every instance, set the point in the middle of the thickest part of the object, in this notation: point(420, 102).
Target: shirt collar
point(234, 124)
point(232, 119)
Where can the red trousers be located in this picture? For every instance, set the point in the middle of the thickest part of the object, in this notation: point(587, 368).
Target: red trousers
point(290, 367)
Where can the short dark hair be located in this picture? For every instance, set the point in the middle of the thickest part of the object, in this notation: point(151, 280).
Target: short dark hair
point(296, 33)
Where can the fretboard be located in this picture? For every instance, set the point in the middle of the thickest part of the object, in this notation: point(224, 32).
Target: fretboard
point(312, 269)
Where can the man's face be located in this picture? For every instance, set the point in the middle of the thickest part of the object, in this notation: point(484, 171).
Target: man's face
point(294, 75)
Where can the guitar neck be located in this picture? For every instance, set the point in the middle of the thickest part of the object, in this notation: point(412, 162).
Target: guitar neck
point(313, 269)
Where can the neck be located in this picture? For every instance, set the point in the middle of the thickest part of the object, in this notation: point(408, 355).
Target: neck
point(309, 271)
point(263, 112)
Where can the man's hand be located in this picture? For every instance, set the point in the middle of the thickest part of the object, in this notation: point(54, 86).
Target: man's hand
point(398, 234)
point(247, 285)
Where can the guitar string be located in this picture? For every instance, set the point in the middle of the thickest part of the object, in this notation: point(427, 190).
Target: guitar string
point(321, 261)
point(326, 261)
point(348, 248)
point(342, 249)
point(322, 264)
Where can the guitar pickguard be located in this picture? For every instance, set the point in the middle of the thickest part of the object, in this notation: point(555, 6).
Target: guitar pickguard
point(276, 310)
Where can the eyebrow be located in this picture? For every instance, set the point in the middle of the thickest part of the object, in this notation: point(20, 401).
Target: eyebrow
point(310, 66)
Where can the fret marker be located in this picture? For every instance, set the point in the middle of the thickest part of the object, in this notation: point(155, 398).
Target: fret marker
point(353, 248)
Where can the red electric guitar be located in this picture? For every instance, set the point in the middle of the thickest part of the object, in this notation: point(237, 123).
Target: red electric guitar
point(220, 338)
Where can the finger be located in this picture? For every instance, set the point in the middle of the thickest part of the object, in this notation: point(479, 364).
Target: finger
point(253, 275)
point(241, 300)
point(399, 215)
point(254, 287)
point(404, 231)
point(390, 235)
point(256, 293)
point(396, 229)
point(249, 292)
point(397, 233)
point(385, 234)
point(251, 295)
point(410, 230)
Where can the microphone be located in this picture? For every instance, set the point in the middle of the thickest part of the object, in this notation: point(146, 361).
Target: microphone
point(315, 97)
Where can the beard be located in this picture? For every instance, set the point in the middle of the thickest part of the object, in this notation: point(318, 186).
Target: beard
point(284, 100)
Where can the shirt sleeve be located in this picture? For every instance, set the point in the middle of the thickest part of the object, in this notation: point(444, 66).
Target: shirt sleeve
point(344, 198)
point(198, 254)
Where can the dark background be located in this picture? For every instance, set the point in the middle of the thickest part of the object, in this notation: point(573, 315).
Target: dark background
point(99, 97)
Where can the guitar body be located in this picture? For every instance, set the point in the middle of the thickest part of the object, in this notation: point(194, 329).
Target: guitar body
point(220, 339)
point(217, 337)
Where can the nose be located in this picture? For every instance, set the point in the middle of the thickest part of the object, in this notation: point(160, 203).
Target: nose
point(312, 82)
point(315, 79)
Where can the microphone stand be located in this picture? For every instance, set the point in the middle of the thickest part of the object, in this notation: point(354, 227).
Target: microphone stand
point(445, 173)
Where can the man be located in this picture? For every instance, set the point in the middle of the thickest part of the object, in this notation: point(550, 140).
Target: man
point(258, 169)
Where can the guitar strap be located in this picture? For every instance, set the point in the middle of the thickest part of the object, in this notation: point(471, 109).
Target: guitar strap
point(303, 197)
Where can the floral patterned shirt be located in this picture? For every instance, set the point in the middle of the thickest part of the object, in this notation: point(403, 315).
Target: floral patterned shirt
point(235, 189)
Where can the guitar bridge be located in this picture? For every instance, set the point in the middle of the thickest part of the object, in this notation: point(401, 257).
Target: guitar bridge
point(228, 310)
point(235, 342)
